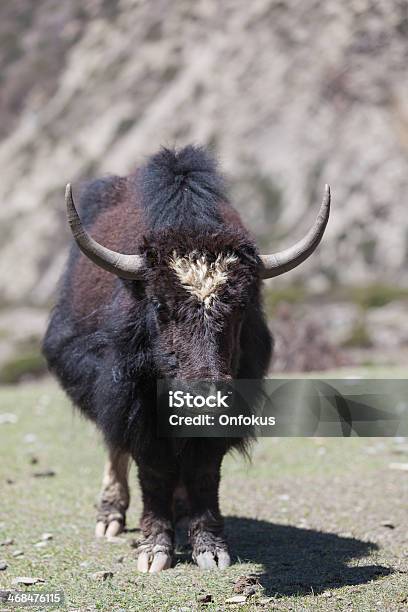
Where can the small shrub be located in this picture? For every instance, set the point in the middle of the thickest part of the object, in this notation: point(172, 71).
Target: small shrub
point(359, 337)
point(292, 294)
point(18, 367)
point(377, 295)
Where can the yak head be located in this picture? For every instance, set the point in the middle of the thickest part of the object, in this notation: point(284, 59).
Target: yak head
point(200, 288)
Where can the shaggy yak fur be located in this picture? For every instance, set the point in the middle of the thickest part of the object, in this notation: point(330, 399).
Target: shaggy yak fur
point(110, 339)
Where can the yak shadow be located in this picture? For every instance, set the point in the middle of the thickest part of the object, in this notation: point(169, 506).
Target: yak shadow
point(300, 561)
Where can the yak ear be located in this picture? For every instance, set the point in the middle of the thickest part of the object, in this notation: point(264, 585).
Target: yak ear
point(150, 254)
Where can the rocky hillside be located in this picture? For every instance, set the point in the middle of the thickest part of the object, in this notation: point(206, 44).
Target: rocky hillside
point(290, 94)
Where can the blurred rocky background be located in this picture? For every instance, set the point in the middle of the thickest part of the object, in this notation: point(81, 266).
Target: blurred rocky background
point(290, 95)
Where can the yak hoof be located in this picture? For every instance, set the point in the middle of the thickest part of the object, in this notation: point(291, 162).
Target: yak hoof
point(100, 529)
point(206, 560)
point(161, 561)
point(109, 529)
point(210, 551)
point(210, 560)
point(143, 562)
point(154, 560)
point(224, 560)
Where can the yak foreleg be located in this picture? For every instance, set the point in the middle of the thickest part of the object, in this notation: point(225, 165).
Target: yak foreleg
point(156, 550)
point(202, 479)
point(114, 497)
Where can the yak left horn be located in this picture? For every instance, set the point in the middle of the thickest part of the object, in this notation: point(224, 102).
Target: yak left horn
point(125, 266)
point(283, 261)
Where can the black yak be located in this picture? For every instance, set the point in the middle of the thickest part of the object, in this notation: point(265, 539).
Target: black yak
point(175, 293)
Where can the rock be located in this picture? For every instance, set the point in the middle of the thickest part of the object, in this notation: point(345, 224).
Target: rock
point(237, 599)
point(102, 576)
point(46, 536)
point(388, 524)
point(251, 590)
point(205, 598)
point(244, 582)
point(27, 580)
point(400, 450)
point(18, 553)
point(3, 565)
point(44, 474)
point(7, 418)
point(30, 438)
point(40, 544)
point(399, 466)
point(7, 542)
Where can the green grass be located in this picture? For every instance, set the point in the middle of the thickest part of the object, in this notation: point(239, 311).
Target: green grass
point(369, 371)
point(305, 516)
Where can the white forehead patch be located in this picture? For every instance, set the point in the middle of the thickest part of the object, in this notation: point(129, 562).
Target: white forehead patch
point(201, 277)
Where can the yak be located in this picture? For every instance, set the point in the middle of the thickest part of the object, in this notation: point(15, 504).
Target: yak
point(163, 281)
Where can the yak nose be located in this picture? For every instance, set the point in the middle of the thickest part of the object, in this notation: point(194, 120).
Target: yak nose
point(211, 375)
point(222, 377)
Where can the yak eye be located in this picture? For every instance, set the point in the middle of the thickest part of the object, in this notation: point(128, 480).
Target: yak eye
point(161, 310)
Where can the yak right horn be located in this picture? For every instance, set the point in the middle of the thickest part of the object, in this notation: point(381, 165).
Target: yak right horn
point(283, 261)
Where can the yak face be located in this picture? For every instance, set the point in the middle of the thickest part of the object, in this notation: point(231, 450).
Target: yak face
point(199, 292)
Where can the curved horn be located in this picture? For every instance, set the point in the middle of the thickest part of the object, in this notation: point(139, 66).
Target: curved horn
point(283, 261)
point(125, 266)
